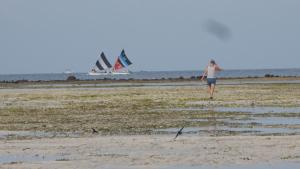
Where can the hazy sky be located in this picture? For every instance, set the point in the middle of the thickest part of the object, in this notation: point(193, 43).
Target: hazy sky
point(48, 36)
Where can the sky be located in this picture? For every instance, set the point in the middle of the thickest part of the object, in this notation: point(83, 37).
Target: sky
point(50, 36)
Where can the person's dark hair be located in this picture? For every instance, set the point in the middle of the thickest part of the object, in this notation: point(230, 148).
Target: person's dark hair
point(212, 61)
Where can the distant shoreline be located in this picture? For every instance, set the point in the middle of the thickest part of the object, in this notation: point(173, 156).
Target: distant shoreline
point(73, 79)
point(150, 76)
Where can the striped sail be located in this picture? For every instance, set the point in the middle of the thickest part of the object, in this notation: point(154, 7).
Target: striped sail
point(102, 63)
point(122, 61)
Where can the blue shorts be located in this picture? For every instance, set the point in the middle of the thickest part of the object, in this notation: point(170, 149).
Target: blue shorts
point(211, 81)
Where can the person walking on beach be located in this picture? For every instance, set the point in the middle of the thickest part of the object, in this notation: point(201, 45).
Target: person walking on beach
point(210, 72)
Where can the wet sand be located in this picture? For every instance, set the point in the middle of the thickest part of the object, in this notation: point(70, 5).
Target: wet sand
point(148, 151)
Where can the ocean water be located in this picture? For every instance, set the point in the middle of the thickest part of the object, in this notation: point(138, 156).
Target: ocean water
point(151, 75)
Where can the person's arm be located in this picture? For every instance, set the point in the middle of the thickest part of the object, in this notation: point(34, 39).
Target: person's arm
point(204, 73)
point(218, 68)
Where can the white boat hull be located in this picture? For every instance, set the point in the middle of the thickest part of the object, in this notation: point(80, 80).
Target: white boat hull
point(97, 73)
point(111, 73)
point(120, 73)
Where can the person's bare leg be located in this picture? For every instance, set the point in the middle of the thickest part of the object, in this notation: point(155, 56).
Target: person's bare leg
point(212, 88)
point(209, 89)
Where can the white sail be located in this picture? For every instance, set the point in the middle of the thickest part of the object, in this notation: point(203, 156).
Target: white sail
point(101, 67)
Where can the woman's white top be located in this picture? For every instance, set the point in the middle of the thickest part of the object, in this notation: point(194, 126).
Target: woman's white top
point(211, 71)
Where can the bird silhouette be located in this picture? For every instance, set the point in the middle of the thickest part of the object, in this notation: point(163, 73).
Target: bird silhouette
point(178, 133)
point(94, 131)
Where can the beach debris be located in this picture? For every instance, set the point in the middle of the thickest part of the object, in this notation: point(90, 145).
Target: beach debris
point(94, 131)
point(178, 133)
point(71, 78)
point(271, 75)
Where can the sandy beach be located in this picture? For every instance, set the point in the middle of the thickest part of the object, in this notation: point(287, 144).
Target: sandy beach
point(49, 125)
point(150, 151)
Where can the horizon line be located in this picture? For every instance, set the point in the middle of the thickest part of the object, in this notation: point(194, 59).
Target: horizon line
point(150, 71)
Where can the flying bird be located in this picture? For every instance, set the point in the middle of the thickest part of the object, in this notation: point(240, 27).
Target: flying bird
point(94, 131)
point(178, 133)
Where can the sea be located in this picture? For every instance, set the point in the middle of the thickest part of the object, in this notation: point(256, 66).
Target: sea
point(295, 72)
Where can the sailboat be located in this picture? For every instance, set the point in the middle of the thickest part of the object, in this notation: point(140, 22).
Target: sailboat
point(121, 64)
point(68, 71)
point(101, 67)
